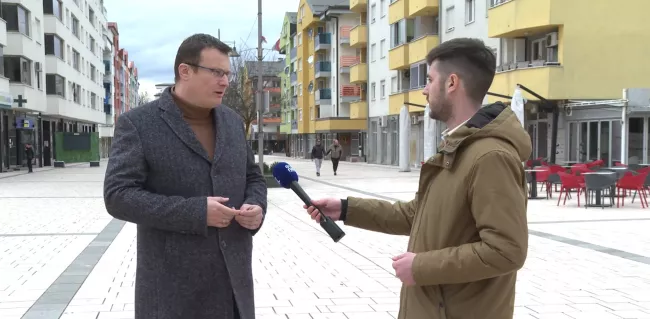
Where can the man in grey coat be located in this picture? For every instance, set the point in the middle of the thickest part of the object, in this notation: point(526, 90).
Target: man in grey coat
point(180, 168)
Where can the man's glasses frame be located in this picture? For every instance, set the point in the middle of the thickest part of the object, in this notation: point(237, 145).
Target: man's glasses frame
point(216, 72)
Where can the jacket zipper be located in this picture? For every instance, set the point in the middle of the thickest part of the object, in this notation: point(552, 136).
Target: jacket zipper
point(441, 305)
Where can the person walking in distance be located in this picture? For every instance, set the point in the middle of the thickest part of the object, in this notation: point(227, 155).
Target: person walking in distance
point(317, 154)
point(29, 155)
point(336, 152)
point(181, 169)
point(468, 233)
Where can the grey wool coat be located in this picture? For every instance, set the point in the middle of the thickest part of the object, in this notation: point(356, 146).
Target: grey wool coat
point(158, 177)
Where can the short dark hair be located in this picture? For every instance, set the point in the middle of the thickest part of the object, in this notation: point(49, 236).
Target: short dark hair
point(470, 59)
point(190, 50)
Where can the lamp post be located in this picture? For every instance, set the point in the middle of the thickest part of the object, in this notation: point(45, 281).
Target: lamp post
point(260, 118)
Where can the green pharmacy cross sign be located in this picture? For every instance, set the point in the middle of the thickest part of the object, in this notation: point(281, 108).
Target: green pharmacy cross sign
point(20, 100)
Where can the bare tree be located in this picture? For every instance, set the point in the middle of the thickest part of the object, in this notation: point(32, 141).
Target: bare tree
point(143, 98)
point(240, 95)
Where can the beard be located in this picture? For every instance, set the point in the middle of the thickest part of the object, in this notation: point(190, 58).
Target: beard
point(440, 108)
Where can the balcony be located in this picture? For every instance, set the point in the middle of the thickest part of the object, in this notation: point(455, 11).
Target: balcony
point(398, 57)
point(419, 48)
point(344, 34)
point(398, 10)
point(415, 96)
point(547, 81)
point(350, 93)
point(358, 6)
point(359, 36)
point(107, 67)
point(359, 110)
point(323, 97)
point(294, 103)
point(293, 54)
point(334, 124)
point(423, 7)
point(108, 109)
point(294, 78)
point(518, 18)
point(396, 101)
point(359, 73)
point(348, 61)
point(322, 69)
point(323, 41)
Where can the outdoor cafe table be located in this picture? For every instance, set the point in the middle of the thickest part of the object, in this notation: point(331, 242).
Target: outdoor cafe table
point(598, 191)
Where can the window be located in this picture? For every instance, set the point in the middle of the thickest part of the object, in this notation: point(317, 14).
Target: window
point(538, 50)
point(382, 8)
point(373, 13)
point(449, 18)
point(2, 63)
point(76, 92)
point(418, 76)
point(54, 7)
point(76, 60)
point(373, 89)
point(18, 69)
point(382, 89)
point(394, 85)
point(54, 46)
point(75, 26)
point(17, 18)
point(55, 85)
point(373, 53)
point(93, 101)
point(382, 48)
point(91, 16)
point(93, 70)
point(402, 32)
point(470, 11)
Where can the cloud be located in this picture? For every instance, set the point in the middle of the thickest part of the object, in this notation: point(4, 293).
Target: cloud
point(152, 30)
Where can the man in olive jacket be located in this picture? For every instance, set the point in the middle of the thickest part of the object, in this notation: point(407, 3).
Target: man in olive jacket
point(467, 224)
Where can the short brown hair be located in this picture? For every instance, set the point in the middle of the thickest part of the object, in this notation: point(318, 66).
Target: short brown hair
point(189, 51)
point(468, 58)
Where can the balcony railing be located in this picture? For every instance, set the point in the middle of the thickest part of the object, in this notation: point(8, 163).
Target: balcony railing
point(323, 96)
point(350, 90)
point(344, 34)
point(323, 41)
point(350, 60)
point(322, 69)
point(293, 54)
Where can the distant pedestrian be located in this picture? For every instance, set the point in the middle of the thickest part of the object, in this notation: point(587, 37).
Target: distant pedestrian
point(180, 168)
point(467, 226)
point(317, 154)
point(336, 152)
point(29, 155)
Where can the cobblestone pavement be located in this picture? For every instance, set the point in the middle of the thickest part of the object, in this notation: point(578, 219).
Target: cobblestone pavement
point(63, 256)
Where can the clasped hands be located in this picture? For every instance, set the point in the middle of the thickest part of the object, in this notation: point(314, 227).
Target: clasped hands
point(220, 215)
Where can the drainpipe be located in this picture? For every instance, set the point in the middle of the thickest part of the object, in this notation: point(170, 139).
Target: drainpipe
point(363, 149)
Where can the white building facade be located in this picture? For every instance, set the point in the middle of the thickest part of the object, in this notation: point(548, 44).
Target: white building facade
point(53, 74)
point(382, 82)
point(107, 129)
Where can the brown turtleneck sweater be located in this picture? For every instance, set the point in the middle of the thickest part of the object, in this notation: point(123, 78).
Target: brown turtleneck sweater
point(201, 121)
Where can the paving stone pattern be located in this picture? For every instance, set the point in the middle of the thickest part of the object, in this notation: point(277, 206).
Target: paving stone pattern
point(63, 256)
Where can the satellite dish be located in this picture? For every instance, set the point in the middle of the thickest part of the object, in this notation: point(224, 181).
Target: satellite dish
point(310, 59)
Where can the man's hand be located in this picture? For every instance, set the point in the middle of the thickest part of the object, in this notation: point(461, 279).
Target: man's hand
point(331, 207)
point(250, 216)
point(403, 265)
point(218, 214)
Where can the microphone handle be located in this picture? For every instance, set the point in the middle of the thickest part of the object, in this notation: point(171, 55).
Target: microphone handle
point(332, 229)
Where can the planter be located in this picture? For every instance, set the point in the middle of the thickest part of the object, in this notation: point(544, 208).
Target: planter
point(271, 182)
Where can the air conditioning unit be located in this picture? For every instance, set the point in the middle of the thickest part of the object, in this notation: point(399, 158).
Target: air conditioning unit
point(551, 39)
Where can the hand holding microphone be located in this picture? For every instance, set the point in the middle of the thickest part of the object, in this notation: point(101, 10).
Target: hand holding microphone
point(288, 178)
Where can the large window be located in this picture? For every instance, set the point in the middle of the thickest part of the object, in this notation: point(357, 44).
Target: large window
point(402, 32)
point(18, 69)
point(54, 7)
point(55, 85)
point(17, 18)
point(418, 76)
point(54, 45)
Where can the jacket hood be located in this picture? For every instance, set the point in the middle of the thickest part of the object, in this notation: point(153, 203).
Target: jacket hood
point(492, 121)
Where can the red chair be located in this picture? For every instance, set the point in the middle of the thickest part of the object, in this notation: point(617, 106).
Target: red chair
point(569, 183)
point(630, 182)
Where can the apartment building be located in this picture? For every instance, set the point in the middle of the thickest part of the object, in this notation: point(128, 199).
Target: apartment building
point(288, 103)
point(577, 58)
point(326, 95)
point(133, 86)
point(106, 130)
point(53, 71)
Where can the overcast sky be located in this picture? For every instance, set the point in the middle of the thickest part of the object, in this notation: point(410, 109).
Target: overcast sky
point(152, 30)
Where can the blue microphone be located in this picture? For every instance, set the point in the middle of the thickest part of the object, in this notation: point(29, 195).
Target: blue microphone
point(287, 177)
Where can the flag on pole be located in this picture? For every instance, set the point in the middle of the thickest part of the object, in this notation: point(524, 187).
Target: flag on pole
point(263, 39)
point(276, 47)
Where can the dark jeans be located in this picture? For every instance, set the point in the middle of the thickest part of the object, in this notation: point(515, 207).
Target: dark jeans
point(335, 164)
point(29, 164)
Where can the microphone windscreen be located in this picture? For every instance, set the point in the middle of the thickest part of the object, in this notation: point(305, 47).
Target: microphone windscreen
point(284, 174)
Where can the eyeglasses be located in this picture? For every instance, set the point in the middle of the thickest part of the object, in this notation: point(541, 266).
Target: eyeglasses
point(216, 72)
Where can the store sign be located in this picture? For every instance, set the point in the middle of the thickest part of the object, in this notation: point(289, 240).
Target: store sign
point(6, 100)
point(24, 123)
